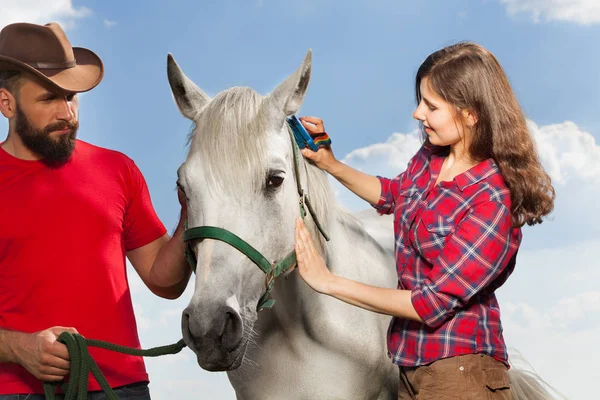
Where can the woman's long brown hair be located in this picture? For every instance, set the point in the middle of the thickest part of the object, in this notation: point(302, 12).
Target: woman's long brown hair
point(469, 77)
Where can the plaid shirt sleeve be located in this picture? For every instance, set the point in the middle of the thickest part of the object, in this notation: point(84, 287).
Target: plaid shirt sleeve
point(387, 204)
point(473, 256)
point(390, 187)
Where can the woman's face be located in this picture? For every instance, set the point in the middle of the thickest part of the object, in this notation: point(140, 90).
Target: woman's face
point(438, 117)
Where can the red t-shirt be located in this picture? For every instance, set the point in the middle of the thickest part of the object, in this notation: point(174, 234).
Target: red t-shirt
point(64, 233)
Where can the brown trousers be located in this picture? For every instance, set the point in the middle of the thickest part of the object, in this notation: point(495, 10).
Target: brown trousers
point(466, 377)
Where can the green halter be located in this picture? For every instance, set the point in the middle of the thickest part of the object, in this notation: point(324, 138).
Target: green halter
point(271, 269)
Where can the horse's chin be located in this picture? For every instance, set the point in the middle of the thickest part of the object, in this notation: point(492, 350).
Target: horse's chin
point(226, 362)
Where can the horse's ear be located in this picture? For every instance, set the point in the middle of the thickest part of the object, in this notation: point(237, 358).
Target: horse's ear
point(189, 97)
point(289, 95)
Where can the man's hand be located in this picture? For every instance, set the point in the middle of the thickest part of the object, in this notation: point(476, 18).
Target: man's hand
point(182, 199)
point(42, 355)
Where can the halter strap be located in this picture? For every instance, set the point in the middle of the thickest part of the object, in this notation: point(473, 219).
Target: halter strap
point(303, 197)
point(213, 232)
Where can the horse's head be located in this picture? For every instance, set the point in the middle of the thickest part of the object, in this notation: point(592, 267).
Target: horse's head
point(239, 177)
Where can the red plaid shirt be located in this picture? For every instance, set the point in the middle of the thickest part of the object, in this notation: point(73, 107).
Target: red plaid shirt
point(454, 246)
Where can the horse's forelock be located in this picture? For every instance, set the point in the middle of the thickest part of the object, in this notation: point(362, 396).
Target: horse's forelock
point(228, 136)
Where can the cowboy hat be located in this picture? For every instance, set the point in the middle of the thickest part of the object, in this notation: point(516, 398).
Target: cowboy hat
point(45, 52)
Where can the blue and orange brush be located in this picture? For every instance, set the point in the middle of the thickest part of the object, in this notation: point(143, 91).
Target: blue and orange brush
point(304, 139)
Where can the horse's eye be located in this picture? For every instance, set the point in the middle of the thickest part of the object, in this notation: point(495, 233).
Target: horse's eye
point(274, 181)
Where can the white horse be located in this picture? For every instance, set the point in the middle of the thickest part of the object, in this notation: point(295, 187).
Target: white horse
point(240, 177)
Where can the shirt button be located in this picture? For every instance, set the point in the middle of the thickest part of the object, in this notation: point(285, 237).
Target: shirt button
point(461, 368)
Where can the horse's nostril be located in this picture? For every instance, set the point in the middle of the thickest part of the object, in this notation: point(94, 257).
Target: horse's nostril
point(185, 327)
point(232, 331)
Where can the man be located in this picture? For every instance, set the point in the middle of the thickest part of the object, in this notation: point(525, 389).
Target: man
point(69, 214)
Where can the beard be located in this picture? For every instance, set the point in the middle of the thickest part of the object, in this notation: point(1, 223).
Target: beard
point(53, 151)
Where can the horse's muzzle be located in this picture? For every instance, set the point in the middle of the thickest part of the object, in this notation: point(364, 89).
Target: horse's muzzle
point(218, 342)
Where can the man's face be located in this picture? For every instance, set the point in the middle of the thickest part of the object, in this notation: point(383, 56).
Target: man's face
point(46, 120)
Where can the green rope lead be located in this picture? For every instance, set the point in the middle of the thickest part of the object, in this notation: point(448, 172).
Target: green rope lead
point(76, 388)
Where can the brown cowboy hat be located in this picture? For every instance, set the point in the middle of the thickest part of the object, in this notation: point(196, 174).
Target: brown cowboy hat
point(45, 52)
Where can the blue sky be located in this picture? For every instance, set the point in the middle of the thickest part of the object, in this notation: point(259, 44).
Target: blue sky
point(365, 56)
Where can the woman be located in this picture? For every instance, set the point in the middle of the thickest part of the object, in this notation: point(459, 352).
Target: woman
point(458, 212)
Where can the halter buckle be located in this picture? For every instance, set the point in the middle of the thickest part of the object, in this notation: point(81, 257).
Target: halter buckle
point(302, 198)
point(302, 202)
point(270, 276)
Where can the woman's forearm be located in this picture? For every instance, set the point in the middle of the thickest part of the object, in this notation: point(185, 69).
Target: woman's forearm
point(387, 301)
point(363, 185)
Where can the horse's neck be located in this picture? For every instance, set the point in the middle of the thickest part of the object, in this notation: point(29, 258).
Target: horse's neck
point(354, 254)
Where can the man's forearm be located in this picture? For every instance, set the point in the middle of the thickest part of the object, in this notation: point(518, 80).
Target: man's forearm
point(170, 271)
point(8, 339)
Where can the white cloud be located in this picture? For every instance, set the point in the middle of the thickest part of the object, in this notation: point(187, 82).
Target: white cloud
point(385, 159)
point(184, 378)
point(576, 309)
point(136, 285)
point(585, 12)
point(558, 340)
point(109, 24)
point(394, 154)
point(572, 158)
point(567, 152)
point(143, 322)
point(170, 315)
point(41, 12)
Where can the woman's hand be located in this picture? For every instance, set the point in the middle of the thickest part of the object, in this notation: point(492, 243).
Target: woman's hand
point(323, 157)
point(364, 185)
point(311, 266)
